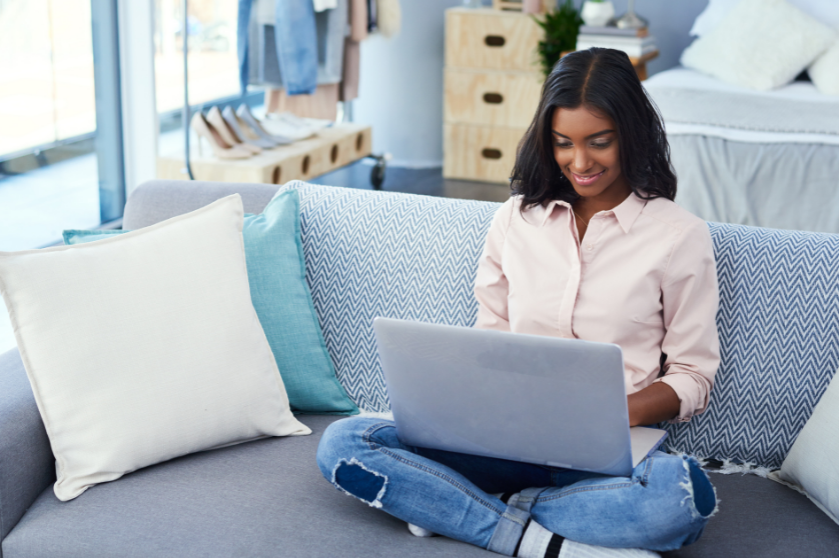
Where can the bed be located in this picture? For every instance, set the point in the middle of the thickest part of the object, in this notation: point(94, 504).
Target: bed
point(768, 159)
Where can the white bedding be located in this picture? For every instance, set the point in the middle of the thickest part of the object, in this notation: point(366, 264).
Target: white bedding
point(815, 115)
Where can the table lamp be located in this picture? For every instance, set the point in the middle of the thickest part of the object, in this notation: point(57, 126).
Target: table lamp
point(630, 20)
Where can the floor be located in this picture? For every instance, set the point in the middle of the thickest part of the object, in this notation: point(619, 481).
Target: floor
point(36, 206)
point(425, 182)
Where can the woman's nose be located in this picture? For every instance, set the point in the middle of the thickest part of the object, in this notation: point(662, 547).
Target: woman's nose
point(582, 162)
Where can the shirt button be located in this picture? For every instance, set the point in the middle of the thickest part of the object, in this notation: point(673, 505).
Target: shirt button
point(589, 247)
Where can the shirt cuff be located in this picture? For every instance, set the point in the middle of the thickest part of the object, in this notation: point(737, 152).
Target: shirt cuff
point(685, 388)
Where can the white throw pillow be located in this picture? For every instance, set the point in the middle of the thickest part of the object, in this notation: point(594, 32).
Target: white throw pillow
point(825, 70)
point(761, 44)
point(826, 11)
point(145, 347)
point(812, 465)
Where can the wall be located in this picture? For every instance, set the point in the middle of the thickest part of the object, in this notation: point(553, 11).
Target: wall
point(401, 86)
point(670, 22)
point(401, 92)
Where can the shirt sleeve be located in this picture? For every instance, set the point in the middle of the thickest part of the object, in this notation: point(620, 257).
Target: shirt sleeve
point(491, 285)
point(690, 298)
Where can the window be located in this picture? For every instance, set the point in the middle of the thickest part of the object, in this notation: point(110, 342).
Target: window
point(213, 63)
point(48, 165)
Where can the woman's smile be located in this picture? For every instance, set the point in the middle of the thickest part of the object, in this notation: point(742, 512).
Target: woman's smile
point(586, 179)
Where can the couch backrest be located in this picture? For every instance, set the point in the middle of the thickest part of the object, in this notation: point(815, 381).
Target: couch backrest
point(397, 255)
point(779, 342)
point(384, 254)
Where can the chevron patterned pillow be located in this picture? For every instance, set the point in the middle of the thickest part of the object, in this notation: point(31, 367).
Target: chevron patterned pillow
point(414, 257)
point(779, 343)
point(384, 254)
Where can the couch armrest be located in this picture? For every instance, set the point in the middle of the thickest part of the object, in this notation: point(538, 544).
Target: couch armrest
point(158, 200)
point(27, 465)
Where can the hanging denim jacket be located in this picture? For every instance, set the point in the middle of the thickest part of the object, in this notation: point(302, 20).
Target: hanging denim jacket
point(295, 49)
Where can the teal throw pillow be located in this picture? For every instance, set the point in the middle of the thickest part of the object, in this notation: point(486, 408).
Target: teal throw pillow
point(283, 302)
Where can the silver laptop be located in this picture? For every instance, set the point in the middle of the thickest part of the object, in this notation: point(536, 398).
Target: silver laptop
point(556, 402)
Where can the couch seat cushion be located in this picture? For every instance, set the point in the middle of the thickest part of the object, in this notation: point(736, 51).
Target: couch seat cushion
point(267, 498)
point(259, 499)
point(760, 518)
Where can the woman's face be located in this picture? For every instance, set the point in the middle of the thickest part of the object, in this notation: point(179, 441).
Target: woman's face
point(586, 149)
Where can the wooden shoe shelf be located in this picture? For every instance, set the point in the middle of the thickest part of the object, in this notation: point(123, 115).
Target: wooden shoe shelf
point(331, 149)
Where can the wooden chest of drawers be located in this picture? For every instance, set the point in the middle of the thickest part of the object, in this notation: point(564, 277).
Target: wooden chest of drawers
point(492, 88)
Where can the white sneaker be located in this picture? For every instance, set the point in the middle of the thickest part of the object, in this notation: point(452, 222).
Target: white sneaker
point(419, 531)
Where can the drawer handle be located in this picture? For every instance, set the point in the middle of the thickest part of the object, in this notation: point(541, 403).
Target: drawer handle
point(495, 41)
point(493, 98)
point(491, 153)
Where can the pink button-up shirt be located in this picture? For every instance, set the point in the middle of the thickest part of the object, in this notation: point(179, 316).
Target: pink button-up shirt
point(644, 278)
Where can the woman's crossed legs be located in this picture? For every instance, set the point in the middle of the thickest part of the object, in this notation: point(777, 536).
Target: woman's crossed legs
point(664, 505)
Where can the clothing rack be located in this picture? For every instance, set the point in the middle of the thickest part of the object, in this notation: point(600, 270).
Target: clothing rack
point(377, 172)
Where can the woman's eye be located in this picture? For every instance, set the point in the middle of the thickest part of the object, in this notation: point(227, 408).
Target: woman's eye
point(564, 145)
point(602, 144)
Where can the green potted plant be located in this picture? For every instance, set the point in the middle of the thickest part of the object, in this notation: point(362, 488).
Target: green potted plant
point(561, 28)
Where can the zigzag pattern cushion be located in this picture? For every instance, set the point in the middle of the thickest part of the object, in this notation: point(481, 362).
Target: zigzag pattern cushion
point(779, 343)
point(384, 254)
point(415, 257)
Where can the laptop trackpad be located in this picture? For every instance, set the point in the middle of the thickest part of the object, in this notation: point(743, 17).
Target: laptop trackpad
point(644, 441)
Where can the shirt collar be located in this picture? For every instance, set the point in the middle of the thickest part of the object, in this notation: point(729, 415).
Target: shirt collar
point(626, 212)
point(549, 209)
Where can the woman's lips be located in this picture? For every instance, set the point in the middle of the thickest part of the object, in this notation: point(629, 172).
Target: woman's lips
point(587, 180)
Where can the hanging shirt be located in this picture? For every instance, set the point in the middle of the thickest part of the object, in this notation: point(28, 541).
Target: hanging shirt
point(287, 44)
point(644, 278)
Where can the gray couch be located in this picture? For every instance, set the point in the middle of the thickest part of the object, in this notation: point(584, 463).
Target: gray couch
point(267, 498)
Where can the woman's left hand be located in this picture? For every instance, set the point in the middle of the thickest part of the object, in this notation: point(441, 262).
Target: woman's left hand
point(655, 403)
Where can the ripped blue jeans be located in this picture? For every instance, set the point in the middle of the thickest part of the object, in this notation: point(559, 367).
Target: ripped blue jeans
point(664, 505)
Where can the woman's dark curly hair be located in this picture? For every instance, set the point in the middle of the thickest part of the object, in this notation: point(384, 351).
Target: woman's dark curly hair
point(604, 80)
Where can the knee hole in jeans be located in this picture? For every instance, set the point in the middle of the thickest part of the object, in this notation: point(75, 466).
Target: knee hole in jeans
point(704, 497)
point(353, 478)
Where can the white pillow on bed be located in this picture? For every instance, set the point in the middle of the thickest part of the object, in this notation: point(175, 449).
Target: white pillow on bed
point(826, 11)
point(825, 70)
point(760, 44)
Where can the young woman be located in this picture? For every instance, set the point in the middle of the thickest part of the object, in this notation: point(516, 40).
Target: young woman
point(590, 246)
